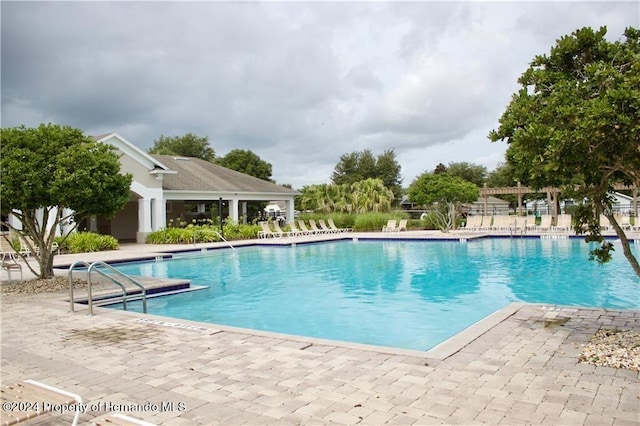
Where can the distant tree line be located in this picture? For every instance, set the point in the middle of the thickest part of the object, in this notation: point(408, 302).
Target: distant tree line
point(190, 145)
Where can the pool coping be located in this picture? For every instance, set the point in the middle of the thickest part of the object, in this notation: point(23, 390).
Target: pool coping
point(165, 253)
point(441, 351)
point(512, 369)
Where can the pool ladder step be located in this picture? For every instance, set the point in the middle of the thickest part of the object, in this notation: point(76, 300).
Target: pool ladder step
point(93, 267)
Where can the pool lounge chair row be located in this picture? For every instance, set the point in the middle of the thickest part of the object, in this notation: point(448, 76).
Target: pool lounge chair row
point(392, 227)
point(528, 223)
point(321, 227)
point(623, 221)
point(27, 245)
point(9, 259)
point(521, 224)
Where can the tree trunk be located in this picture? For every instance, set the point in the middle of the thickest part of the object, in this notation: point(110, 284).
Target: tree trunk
point(453, 216)
point(45, 261)
point(626, 248)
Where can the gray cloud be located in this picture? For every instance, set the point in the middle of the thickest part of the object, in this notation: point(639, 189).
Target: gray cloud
point(300, 84)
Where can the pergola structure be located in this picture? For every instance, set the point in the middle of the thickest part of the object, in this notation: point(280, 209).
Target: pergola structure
point(552, 195)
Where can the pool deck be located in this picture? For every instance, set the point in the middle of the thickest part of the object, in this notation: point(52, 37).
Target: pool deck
point(518, 366)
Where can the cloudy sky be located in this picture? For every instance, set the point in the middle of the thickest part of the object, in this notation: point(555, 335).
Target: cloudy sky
point(298, 83)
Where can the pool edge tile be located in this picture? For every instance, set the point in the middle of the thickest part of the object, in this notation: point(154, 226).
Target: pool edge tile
point(457, 342)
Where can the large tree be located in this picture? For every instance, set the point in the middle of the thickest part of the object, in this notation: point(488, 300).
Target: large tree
point(188, 145)
point(473, 173)
point(247, 162)
point(575, 124)
point(388, 170)
point(361, 165)
point(502, 176)
point(54, 175)
point(444, 194)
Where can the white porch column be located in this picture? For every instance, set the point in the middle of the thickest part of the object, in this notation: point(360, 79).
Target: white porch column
point(66, 226)
point(144, 219)
point(93, 223)
point(233, 209)
point(15, 222)
point(289, 208)
point(159, 214)
point(243, 211)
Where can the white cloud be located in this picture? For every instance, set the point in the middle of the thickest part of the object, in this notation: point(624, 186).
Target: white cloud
point(300, 84)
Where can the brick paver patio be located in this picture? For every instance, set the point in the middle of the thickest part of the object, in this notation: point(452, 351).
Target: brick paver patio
point(523, 369)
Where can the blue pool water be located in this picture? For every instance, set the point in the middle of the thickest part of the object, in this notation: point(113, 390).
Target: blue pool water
point(404, 294)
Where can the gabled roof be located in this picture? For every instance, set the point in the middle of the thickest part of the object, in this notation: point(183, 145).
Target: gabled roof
point(195, 174)
point(490, 200)
point(133, 151)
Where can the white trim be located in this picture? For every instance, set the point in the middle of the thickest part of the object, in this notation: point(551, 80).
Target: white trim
point(134, 152)
point(214, 195)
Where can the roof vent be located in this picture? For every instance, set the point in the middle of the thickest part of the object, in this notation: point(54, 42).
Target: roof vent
point(181, 158)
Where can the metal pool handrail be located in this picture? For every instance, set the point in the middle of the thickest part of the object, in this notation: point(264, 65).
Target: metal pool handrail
point(219, 235)
point(115, 281)
point(75, 264)
point(93, 267)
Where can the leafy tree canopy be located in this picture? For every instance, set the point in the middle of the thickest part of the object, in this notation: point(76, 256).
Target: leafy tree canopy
point(48, 169)
point(504, 176)
point(188, 145)
point(444, 193)
point(247, 162)
point(574, 123)
point(440, 168)
point(361, 165)
point(430, 188)
point(501, 176)
point(470, 172)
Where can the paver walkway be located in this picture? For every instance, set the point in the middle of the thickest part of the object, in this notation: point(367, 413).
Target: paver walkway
point(522, 370)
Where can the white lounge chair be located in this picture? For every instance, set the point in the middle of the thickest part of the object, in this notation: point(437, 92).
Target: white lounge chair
point(486, 223)
point(624, 222)
point(390, 226)
point(545, 224)
point(295, 231)
point(402, 225)
point(28, 394)
point(315, 228)
point(326, 229)
point(6, 249)
point(335, 228)
point(605, 225)
point(520, 224)
point(9, 259)
point(501, 223)
point(473, 223)
point(278, 230)
point(563, 223)
point(304, 228)
point(267, 232)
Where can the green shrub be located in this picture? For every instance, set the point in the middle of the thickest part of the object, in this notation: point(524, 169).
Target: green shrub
point(84, 242)
point(429, 222)
point(203, 234)
point(375, 221)
point(171, 236)
point(415, 224)
point(240, 231)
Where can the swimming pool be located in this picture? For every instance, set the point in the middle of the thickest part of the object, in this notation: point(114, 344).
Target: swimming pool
point(403, 294)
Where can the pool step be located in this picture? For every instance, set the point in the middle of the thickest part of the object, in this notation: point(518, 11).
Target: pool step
point(106, 294)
